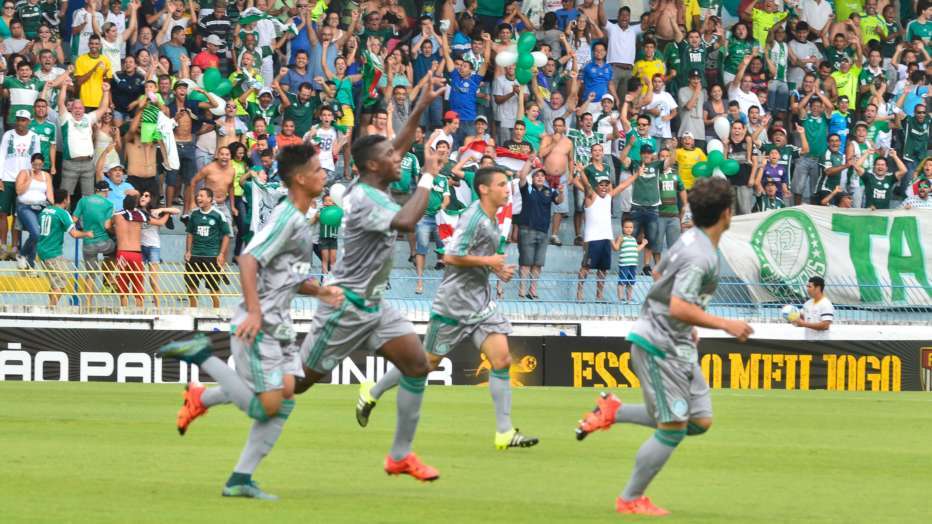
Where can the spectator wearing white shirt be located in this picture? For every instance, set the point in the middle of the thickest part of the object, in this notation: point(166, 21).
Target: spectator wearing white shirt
point(506, 91)
point(622, 40)
point(818, 312)
point(662, 106)
point(739, 89)
point(816, 13)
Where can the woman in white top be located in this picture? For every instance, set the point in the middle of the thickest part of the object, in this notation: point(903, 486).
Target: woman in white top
point(112, 42)
point(106, 133)
point(34, 191)
point(149, 239)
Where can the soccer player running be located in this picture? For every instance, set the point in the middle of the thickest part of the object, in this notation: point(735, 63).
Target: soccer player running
point(372, 221)
point(663, 347)
point(463, 308)
point(274, 267)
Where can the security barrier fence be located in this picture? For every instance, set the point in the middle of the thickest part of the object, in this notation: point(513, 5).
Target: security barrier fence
point(174, 288)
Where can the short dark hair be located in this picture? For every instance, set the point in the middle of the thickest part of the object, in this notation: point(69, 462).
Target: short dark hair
point(291, 158)
point(130, 202)
point(61, 195)
point(208, 191)
point(709, 198)
point(484, 176)
point(364, 149)
point(627, 221)
point(36, 156)
point(560, 118)
point(266, 153)
point(818, 282)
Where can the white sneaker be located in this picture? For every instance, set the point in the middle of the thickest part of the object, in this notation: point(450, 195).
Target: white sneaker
point(21, 262)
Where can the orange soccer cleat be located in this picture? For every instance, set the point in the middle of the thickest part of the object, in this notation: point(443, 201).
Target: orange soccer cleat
point(411, 465)
point(602, 417)
point(639, 506)
point(192, 406)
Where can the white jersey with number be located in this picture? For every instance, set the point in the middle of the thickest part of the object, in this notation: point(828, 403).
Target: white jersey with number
point(817, 312)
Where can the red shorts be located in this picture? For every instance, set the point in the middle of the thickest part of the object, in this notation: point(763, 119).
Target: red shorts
point(131, 272)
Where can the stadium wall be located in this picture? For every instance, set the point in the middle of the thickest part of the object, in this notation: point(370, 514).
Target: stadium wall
point(584, 354)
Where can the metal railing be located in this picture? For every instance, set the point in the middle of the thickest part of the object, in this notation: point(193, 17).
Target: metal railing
point(216, 291)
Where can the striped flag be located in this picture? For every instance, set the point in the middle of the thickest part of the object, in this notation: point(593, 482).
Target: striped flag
point(446, 225)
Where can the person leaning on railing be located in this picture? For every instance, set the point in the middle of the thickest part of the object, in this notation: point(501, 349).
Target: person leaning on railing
point(208, 237)
point(54, 222)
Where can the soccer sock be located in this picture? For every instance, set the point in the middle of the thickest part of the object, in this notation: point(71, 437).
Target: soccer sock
point(650, 458)
point(262, 437)
point(410, 395)
point(390, 379)
point(234, 387)
point(500, 387)
point(635, 414)
point(214, 396)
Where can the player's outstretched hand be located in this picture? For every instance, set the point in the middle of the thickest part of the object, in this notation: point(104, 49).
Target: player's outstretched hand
point(331, 295)
point(739, 329)
point(437, 87)
point(249, 328)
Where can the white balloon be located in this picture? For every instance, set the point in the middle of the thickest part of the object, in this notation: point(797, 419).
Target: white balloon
point(506, 58)
point(221, 106)
point(336, 194)
point(540, 59)
point(715, 145)
point(718, 172)
point(722, 127)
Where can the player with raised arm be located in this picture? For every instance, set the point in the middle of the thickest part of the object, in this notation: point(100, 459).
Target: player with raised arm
point(364, 321)
point(273, 269)
point(663, 340)
point(464, 308)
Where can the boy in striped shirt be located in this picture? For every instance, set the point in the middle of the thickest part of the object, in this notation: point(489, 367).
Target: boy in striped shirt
point(627, 259)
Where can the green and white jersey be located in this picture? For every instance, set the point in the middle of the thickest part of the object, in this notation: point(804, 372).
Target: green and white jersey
point(54, 222)
point(593, 173)
point(31, 17)
point(670, 188)
point(368, 244)
point(827, 182)
point(440, 189)
point(93, 211)
point(582, 144)
point(17, 150)
point(628, 254)
point(688, 271)
point(780, 56)
point(916, 138)
point(283, 248)
point(46, 133)
point(816, 128)
point(635, 152)
point(23, 95)
point(465, 293)
point(410, 167)
point(270, 114)
point(766, 203)
point(207, 230)
point(646, 190)
point(877, 191)
point(787, 154)
point(916, 30)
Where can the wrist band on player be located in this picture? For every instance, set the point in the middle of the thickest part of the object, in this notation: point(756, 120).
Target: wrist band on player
point(426, 181)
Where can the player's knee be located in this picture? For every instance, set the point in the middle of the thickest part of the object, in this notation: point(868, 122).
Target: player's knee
point(699, 426)
point(501, 361)
point(670, 437)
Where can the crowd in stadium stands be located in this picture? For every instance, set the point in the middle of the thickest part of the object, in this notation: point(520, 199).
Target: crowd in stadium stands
point(122, 117)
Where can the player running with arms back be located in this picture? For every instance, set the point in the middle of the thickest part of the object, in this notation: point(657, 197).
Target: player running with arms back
point(463, 308)
point(663, 340)
point(364, 321)
point(273, 268)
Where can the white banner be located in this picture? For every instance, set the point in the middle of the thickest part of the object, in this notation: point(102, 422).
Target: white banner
point(868, 257)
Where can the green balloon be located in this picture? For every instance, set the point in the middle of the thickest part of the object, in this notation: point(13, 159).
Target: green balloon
point(702, 170)
point(730, 167)
point(525, 61)
point(526, 42)
point(331, 216)
point(212, 77)
point(197, 96)
point(223, 88)
point(523, 76)
point(715, 159)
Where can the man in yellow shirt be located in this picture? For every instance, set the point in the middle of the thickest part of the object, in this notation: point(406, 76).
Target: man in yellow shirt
point(650, 65)
point(873, 26)
point(90, 72)
point(687, 156)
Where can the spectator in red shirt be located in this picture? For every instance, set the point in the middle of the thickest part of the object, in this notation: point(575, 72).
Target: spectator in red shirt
point(208, 57)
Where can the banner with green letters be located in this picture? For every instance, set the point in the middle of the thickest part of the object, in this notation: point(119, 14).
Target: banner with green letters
point(877, 257)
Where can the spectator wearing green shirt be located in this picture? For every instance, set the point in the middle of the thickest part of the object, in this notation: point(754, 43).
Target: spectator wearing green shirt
point(672, 205)
point(46, 132)
point(814, 110)
point(54, 222)
point(206, 244)
point(439, 198)
point(878, 182)
point(297, 107)
point(94, 212)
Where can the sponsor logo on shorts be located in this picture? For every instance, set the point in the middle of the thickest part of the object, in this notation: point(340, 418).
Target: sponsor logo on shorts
point(789, 250)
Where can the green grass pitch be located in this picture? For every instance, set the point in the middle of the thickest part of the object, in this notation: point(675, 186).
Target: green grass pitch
point(109, 453)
